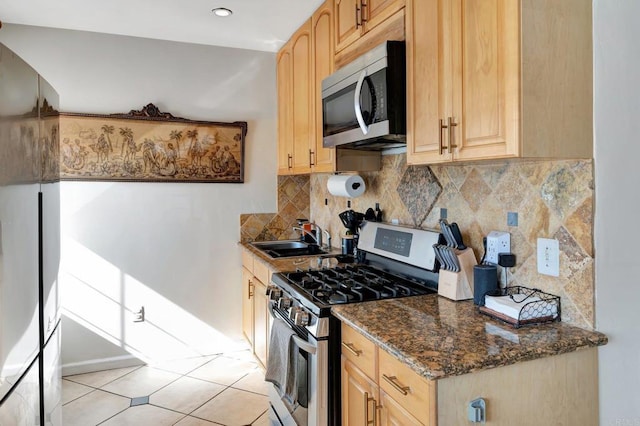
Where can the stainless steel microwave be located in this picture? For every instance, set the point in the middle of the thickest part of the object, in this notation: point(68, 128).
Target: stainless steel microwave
point(364, 103)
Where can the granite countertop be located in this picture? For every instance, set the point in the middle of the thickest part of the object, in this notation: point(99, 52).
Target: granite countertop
point(439, 338)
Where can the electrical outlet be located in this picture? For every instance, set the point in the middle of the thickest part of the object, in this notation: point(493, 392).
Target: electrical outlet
point(497, 242)
point(139, 316)
point(548, 257)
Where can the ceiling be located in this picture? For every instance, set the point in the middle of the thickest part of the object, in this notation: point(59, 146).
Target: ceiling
point(255, 24)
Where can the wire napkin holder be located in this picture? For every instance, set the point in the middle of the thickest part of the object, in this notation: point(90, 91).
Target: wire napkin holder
point(537, 307)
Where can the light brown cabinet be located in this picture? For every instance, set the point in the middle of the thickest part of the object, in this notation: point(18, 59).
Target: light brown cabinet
point(354, 18)
point(377, 389)
point(302, 63)
point(295, 102)
point(256, 320)
point(285, 117)
point(322, 159)
point(498, 79)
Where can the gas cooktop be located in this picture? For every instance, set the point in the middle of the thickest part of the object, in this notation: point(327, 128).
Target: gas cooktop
point(354, 283)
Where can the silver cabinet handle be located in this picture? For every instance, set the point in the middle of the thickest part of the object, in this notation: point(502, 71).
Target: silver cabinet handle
point(356, 103)
point(441, 147)
point(451, 126)
point(367, 400)
point(393, 381)
point(351, 348)
point(363, 7)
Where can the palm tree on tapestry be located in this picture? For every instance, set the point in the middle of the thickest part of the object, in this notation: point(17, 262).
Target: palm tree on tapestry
point(128, 144)
point(192, 135)
point(108, 130)
point(177, 136)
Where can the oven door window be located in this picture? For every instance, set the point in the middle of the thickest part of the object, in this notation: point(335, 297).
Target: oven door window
point(339, 110)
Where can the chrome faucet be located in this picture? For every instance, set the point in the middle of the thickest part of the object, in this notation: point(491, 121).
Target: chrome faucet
point(316, 236)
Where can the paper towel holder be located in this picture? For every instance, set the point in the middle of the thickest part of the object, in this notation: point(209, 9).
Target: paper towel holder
point(346, 185)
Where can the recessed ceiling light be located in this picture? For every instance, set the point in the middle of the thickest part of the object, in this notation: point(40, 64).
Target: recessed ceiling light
point(222, 12)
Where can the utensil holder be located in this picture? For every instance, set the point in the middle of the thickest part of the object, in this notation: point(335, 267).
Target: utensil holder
point(458, 285)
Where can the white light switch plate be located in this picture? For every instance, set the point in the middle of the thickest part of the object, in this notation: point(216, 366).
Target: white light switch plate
point(548, 257)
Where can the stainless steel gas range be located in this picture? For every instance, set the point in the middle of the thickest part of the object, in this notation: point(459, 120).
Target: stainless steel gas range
point(392, 261)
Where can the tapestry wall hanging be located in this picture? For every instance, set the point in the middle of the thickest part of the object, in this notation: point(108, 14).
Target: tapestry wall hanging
point(150, 146)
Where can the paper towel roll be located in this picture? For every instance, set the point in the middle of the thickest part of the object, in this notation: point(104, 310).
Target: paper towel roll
point(346, 185)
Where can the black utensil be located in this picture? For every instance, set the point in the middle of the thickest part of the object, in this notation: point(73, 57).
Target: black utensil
point(370, 215)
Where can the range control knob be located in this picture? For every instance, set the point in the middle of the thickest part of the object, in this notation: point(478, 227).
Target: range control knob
point(293, 312)
point(274, 292)
point(284, 303)
point(301, 318)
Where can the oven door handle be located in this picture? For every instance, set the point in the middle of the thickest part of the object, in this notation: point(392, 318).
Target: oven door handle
point(302, 344)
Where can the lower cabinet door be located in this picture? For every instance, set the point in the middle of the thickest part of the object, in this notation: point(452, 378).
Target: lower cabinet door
point(359, 396)
point(261, 322)
point(392, 413)
point(247, 304)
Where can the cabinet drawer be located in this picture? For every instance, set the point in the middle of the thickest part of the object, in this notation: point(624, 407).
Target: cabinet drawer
point(261, 272)
point(247, 260)
point(359, 350)
point(414, 393)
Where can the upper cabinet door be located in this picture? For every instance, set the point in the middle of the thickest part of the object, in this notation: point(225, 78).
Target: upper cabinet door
point(348, 21)
point(376, 11)
point(285, 118)
point(323, 159)
point(463, 80)
point(302, 99)
point(486, 91)
point(429, 79)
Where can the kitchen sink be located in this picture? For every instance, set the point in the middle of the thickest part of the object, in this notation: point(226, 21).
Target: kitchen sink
point(288, 248)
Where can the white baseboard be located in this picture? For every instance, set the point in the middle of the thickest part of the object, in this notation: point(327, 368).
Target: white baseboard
point(100, 364)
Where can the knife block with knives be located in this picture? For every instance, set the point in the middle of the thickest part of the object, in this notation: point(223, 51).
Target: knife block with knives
point(457, 261)
point(458, 285)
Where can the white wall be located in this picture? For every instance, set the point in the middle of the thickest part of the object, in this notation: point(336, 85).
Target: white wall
point(617, 173)
point(169, 247)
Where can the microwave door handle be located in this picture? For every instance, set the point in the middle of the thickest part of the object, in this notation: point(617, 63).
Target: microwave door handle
point(304, 345)
point(356, 103)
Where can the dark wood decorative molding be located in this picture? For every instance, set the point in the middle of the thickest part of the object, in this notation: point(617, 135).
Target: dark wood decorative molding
point(151, 111)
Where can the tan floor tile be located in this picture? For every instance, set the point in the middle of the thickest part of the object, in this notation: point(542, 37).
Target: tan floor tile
point(224, 370)
point(72, 390)
point(142, 382)
point(244, 355)
point(144, 415)
point(93, 408)
point(185, 394)
point(253, 382)
point(234, 407)
point(182, 366)
point(193, 421)
point(262, 421)
point(100, 378)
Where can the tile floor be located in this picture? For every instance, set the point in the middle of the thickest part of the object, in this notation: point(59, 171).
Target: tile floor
point(227, 389)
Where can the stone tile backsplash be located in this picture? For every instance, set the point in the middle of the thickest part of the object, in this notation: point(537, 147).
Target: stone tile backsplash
point(553, 199)
point(293, 203)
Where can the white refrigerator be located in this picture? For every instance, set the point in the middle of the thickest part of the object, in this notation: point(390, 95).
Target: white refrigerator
point(30, 382)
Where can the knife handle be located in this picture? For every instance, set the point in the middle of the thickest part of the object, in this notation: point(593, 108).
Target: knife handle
point(457, 235)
